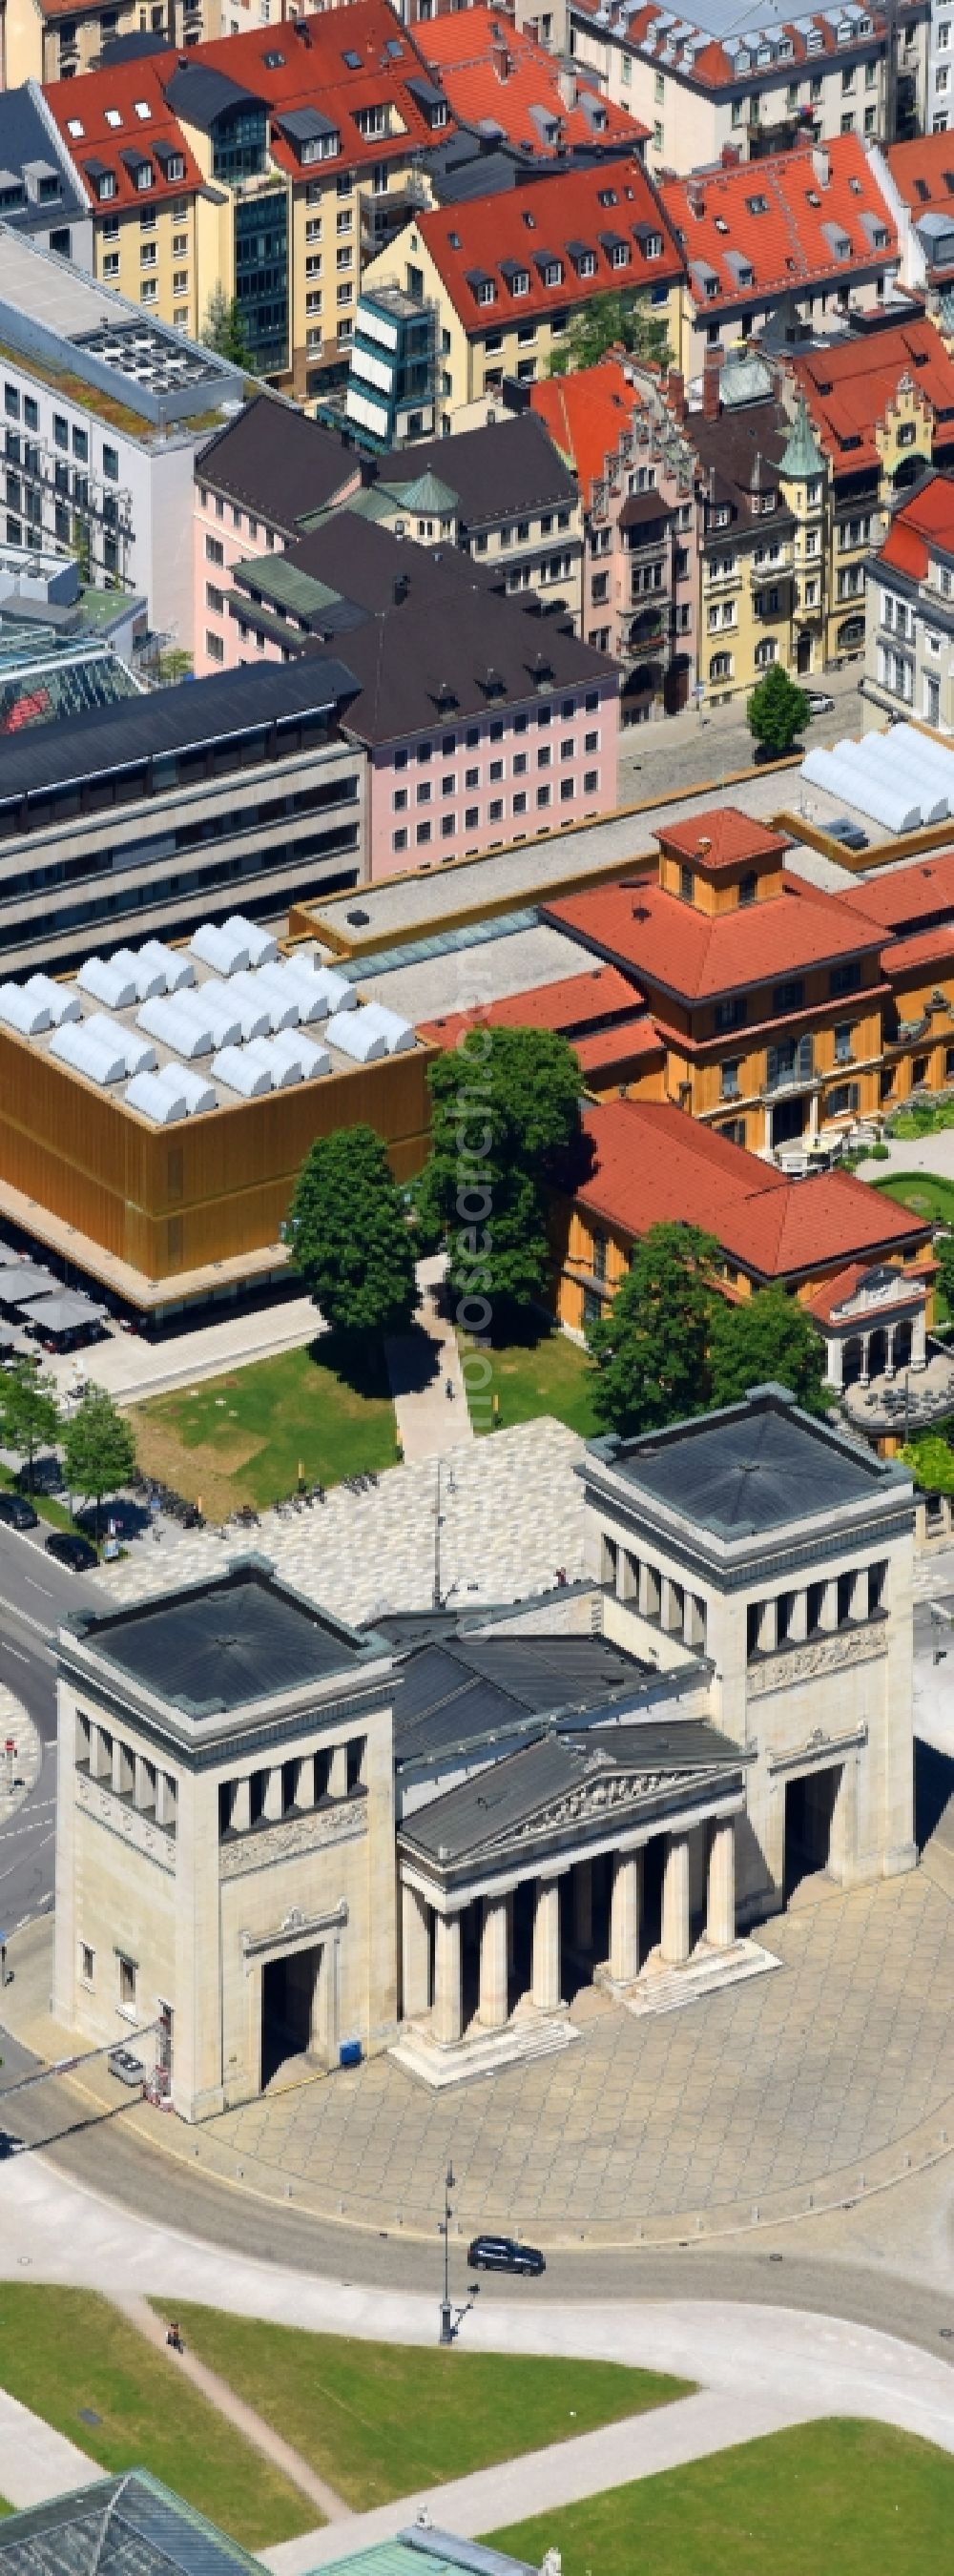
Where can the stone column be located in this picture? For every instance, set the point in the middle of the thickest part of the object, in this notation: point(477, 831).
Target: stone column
point(649, 1591)
point(919, 1341)
point(511, 1933)
point(338, 1772)
point(305, 1785)
point(673, 1608)
point(864, 1379)
point(828, 1609)
point(890, 1331)
point(546, 1946)
point(583, 1905)
point(768, 1627)
point(834, 1358)
point(273, 1801)
point(798, 1619)
point(415, 1953)
point(165, 1799)
point(624, 1919)
point(674, 1945)
point(144, 1791)
point(492, 2009)
point(720, 1893)
point(448, 2005)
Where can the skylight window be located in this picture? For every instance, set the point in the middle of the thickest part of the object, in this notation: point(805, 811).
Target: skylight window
point(720, 223)
point(351, 60)
point(113, 116)
point(607, 196)
point(757, 205)
point(273, 61)
point(74, 128)
point(143, 110)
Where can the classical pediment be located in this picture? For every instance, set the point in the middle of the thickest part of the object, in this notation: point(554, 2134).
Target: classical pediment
point(588, 1806)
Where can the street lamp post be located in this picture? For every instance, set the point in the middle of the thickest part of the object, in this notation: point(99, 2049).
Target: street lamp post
point(451, 2317)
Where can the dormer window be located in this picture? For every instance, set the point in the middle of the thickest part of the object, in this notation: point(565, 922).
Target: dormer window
point(371, 121)
point(687, 884)
point(652, 246)
point(607, 197)
point(515, 276)
point(757, 205)
point(583, 258)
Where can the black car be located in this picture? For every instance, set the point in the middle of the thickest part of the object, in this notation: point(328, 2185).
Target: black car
point(17, 1512)
point(503, 2254)
point(9, 2145)
point(71, 1550)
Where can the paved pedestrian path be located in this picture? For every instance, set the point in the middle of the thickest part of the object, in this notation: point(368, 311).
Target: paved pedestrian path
point(542, 2481)
point(35, 2462)
point(427, 1382)
point(512, 1512)
point(251, 2425)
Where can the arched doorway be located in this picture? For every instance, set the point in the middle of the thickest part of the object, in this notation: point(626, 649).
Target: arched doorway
point(877, 1352)
point(903, 1341)
point(851, 1361)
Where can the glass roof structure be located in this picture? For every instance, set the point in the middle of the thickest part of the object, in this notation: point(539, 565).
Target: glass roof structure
point(125, 2526)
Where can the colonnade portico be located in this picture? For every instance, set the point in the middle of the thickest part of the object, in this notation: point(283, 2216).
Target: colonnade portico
point(576, 1937)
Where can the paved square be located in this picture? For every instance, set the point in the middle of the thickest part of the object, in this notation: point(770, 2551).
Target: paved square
point(750, 2099)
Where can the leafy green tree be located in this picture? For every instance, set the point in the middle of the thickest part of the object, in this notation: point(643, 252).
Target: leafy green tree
point(99, 1452)
point(768, 1337)
point(931, 1463)
point(29, 1414)
point(506, 1129)
point(174, 665)
point(612, 322)
point(650, 1353)
point(349, 1236)
point(943, 1249)
point(224, 330)
point(776, 711)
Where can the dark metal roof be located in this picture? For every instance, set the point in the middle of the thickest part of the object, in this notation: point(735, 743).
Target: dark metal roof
point(304, 124)
point(176, 719)
point(200, 94)
point(123, 2526)
point(462, 1690)
point(751, 1468)
point(25, 137)
point(498, 472)
point(276, 462)
point(217, 1646)
point(524, 1784)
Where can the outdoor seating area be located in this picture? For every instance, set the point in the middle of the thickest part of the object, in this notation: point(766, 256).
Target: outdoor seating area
point(59, 1318)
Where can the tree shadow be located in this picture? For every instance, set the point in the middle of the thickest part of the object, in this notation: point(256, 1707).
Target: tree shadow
point(357, 1363)
point(414, 1361)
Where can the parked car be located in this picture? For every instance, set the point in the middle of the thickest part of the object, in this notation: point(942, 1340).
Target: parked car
point(71, 1550)
point(819, 703)
point(129, 2069)
point(848, 833)
point(503, 2254)
point(17, 1512)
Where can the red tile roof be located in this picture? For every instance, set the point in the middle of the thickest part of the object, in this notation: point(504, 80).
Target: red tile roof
point(582, 210)
point(793, 241)
point(836, 1293)
point(724, 838)
point(899, 898)
point(573, 1002)
point(587, 414)
point(495, 74)
point(926, 948)
point(279, 66)
point(94, 102)
point(695, 955)
point(851, 388)
point(921, 526)
point(654, 1164)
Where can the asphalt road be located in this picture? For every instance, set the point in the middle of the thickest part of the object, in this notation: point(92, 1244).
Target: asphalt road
point(35, 1594)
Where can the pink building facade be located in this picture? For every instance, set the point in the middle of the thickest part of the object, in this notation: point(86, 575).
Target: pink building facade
point(506, 776)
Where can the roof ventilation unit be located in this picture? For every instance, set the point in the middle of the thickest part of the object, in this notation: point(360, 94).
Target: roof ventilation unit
point(176, 1026)
point(282, 1066)
point(18, 1011)
point(155, 1099)
point(355, 1033)
point(148, 973)
point(92, 1056)
point(196, 1092)
point(241, 1069)
point(177, 967)
point(61, 1000)
point(253, 1006)
point(138, 1053)
point(398, 1034)
point(262, 948)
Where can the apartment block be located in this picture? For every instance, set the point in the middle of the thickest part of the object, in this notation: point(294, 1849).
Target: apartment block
point(775, 252)
point(881, 407)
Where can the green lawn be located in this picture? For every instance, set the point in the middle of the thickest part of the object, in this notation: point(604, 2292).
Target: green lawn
point(926, 1192)
point(377, 2420)
point(242, 1438)
point(545, 1374)
point(61, 2350)
point(845, 2498)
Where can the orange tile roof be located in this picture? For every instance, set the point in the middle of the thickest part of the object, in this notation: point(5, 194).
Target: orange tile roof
point(923, 524)
point(586, 414)
point(621, 1045)
point(725, 838)
point(695, 955)
point(655, 1165)
point(650, 30)
point(792, 242)
point(582, 210)
point(901, 897)
point(279, 66)
point(495, 74)
point(574, 1001)
point(851, 388)
point(925, 948)
point(921, 171)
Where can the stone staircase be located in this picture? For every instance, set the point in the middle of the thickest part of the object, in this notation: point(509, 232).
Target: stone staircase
point(480, 2052)
point(665, 1990)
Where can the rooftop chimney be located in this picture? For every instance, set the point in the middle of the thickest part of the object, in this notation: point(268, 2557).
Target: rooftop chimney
point(696, 195)
point(500, 55)
point(711, 373)
point(567, 85)
point(401, 586)
point(821, 164)
point(676, 393)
